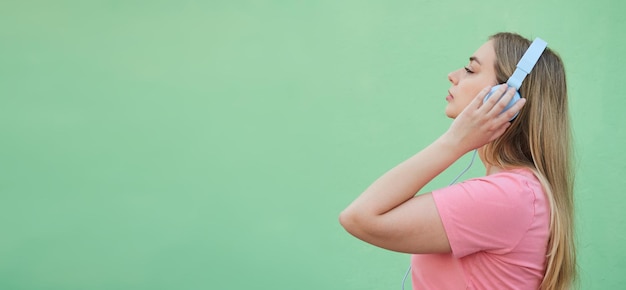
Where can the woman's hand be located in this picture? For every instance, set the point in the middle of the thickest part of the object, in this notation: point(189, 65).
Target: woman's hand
point(481, 123)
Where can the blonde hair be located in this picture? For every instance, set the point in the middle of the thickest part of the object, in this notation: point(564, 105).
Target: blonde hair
point(540, 139)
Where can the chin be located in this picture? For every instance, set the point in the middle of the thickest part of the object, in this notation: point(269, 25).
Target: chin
point(451, 114)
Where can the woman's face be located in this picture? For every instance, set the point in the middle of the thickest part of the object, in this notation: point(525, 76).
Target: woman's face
point(467, 82)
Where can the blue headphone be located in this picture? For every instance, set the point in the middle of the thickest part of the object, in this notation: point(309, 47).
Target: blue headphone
point(524, 66)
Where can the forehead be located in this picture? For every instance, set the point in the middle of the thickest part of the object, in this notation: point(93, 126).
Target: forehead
point(485, 54)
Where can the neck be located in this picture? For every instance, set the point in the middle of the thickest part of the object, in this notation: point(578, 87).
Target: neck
point(489, 168)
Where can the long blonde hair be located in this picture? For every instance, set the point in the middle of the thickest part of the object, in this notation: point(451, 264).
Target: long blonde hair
point(540, 139)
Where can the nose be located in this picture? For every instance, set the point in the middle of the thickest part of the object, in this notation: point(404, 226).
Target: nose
point(453, 77)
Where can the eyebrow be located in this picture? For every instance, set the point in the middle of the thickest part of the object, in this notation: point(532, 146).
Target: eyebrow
point(473, 58)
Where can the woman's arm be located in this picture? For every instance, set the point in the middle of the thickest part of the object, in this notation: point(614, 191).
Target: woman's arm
point(389, 215)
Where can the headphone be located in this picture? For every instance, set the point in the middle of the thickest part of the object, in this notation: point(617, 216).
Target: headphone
point(524, 66)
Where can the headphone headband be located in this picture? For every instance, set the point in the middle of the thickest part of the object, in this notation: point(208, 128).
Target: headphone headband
point(528, 61)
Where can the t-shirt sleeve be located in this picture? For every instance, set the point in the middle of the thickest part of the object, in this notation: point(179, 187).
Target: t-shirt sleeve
point(486, 214)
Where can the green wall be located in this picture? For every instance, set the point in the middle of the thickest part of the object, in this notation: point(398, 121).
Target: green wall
point(212, 144)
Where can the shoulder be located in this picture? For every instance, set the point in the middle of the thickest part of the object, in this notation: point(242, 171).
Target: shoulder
point(518, 184)
point(514, 185)
point(517, 176)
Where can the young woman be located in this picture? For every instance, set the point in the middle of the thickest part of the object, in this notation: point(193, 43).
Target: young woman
point(512, 228)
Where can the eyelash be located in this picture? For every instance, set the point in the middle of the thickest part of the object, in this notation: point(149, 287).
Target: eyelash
point(467, 70)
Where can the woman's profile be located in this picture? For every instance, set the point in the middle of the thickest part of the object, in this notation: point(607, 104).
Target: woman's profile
point(513, 227)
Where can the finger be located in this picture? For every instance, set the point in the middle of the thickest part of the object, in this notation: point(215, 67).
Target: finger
point(493, 99)
point(508, 114)
point(502, 102)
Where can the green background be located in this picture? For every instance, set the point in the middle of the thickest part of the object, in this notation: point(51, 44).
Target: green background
point(212, 144)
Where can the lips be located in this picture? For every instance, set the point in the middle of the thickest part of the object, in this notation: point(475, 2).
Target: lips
point(449, 97)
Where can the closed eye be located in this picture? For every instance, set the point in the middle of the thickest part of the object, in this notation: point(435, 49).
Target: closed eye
point(468, 70)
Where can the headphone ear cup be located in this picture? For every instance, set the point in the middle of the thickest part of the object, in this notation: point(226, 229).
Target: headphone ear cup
point(515, 98)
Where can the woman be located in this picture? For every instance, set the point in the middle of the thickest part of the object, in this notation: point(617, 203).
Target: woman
point(512, 228)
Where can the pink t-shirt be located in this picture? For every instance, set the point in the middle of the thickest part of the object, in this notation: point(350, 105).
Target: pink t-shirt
point(498, 228)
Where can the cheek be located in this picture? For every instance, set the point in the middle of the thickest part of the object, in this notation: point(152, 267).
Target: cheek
point(465, 101)
point(461, 101)
point(475, 89)
point(471, 92)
